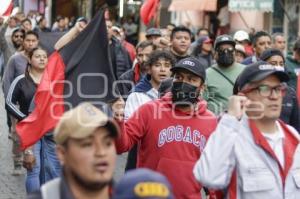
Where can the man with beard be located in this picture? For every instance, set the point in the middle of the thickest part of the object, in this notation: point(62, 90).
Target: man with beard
point(172, 131)
point(181, 38)
point(7, 49)
point(16, 66)
point(131, 77)
point(222, 75)
point(86, 150)
point(17, 63)
point(252, 154)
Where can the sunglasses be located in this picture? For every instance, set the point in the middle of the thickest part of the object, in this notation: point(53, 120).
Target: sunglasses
point(18, 36)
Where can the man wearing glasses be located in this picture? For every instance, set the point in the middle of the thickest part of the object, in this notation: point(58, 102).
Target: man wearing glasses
point(252, 154)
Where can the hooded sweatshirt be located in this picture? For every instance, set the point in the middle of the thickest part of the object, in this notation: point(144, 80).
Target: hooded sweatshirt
point(142, 93)
point(171, 141)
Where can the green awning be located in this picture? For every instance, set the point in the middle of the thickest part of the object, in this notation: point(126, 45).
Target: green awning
point(246, 5)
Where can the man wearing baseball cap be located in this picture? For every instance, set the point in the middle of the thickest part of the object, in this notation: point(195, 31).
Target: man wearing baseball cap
point(222, 75)
point(143, 183)
point(171, 132)
point(253, 154)
point(86, 150)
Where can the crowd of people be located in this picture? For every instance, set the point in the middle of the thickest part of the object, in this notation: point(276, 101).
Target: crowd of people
point(199, 115)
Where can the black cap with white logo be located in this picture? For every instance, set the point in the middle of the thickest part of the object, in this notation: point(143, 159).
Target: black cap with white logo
point(193, 65)
point(257, 72)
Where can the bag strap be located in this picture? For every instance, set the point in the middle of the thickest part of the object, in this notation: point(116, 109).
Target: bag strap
point(218, 71)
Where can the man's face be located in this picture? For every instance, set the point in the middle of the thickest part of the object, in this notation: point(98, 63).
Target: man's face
point(188, 77)
point(109, 29)
point(262, 44)
point(207, 46)
point(12, 23)
point(61, 23)
point(267, 107)
point(17, 39)
point(89, 161)
point(160, 70)
point(143, 55)
point(181, 42)
point(27, 26)
point(30, 42)
point(279, 43)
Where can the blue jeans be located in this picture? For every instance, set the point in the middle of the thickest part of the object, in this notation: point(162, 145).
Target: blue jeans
point(47, 166)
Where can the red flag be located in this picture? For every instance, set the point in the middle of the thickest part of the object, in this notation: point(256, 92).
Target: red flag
point(8, 7)
point(79, 72)
point(148, 10)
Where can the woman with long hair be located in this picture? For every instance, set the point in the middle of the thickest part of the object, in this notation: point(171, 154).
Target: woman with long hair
point(40, 160)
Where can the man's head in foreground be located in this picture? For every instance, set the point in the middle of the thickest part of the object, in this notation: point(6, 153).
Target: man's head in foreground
point(85, 146)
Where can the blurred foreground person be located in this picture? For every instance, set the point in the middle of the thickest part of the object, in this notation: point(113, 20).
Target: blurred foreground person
point(86, 150)
point(143, 183)
point(252, 154)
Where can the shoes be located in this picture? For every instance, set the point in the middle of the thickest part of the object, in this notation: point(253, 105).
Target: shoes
point(17, 170)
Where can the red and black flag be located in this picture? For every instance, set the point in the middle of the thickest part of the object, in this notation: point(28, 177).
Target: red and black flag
point(80, 71)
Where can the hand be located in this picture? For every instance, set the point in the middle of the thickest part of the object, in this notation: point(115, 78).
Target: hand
point(29, 161)
point(80, 26)
point(118, 109)
point(161, 42)
point(237, 106)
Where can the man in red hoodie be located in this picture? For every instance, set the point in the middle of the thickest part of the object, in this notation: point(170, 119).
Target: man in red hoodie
point(171, 132)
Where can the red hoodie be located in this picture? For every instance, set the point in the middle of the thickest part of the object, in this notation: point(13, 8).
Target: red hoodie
point(170, 141)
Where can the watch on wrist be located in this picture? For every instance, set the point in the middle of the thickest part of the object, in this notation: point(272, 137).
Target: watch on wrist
point(28, 152)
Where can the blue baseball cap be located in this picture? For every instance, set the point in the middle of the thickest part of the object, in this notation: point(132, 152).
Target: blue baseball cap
point(143, 183)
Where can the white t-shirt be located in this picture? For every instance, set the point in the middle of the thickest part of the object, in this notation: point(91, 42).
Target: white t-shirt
point(275, 141)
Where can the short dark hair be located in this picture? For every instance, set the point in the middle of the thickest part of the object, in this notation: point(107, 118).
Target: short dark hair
point(180, 29)
point(26, 19)
point(144, 44)
point(160, 54)
point(31, 32)
point(259, 34)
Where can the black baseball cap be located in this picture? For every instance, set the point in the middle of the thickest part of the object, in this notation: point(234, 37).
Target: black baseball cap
point(269, 53)
point(224, 39)
point(193, 65)
point(257, 72)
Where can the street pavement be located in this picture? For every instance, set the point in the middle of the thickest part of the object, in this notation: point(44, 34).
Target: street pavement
point(13, 187)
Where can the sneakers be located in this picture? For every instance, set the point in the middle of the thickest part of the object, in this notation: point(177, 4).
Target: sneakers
point(17, 170)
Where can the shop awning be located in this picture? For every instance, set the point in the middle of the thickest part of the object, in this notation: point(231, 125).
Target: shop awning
point(249, 5)
point(195, 5)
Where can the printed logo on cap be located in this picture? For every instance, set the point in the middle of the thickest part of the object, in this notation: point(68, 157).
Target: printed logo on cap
point(270, 67)
point(190, 63)
point(224, 38)
point(151, 189)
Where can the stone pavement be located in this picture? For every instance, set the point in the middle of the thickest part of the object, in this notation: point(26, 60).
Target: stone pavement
point(13, 187)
